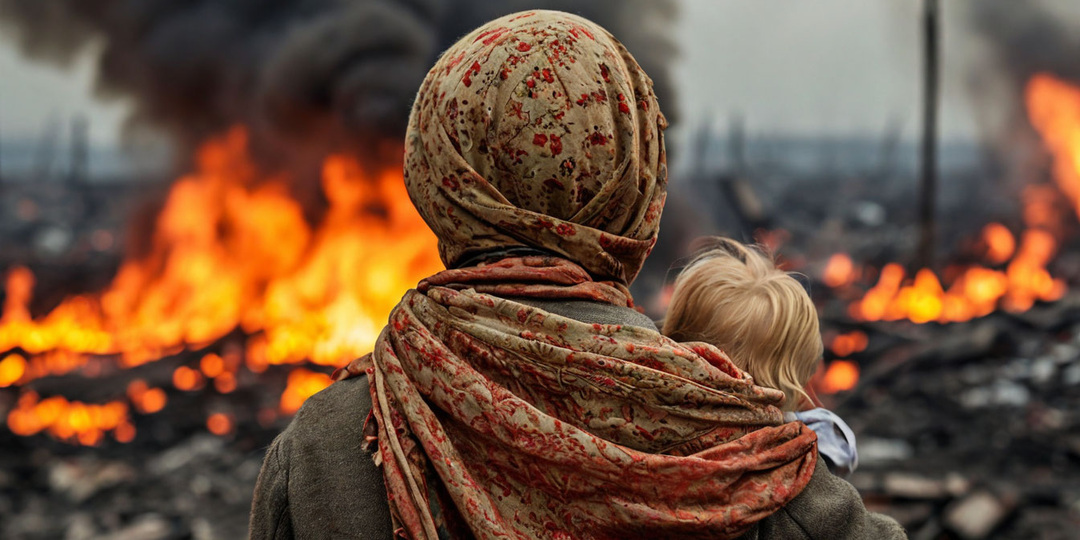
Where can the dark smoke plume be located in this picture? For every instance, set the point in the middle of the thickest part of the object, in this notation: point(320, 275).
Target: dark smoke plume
point(307, 77)
point(1021, 39)
point(1026, 38)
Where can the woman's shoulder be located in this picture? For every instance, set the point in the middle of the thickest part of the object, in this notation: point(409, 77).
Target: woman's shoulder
point(828, 508)
point(337, 412)
point(318, 476)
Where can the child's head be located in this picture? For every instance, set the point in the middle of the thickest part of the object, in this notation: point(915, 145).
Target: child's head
point(735, 298)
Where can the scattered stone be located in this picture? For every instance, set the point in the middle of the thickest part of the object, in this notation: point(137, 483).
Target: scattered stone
point(1064, 353)
point(874, 451)
point(81, 479)
point(1002, 393)
point(145, 527)
point(1042, 370)
point(913, 486)
point(1071, 375)
point(977, 515)
point(81, 527)
point(183, 454)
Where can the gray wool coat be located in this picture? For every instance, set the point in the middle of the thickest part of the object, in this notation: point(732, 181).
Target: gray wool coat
point(318, 482)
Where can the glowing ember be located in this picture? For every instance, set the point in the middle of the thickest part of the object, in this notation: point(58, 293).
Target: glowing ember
point(225, 383)
point(1000, 243)
point(839, 271)
point(187, 379)
point(71, 421)
point(231, 249)
point(212, 365)
point(12, 368)
point(124, 433)
point(147, 400)
point(18, 292)
point(219, 424)
point(849, 343)
point(841, 375)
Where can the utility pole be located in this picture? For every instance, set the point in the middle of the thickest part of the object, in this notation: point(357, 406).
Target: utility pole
point(928, 166)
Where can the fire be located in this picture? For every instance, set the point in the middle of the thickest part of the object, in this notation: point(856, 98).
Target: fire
point(839, 271)
point(1054, 109)
point(840, 376)
point(977, 292)
point(12, 368)
point(212, 365)
point(302, 384)
point(147, 400)
point(1000, 243)
point(849, 343)
point(233, 250)
point(225, 383)
point(187, 379)
point(71, 421)
point(219, 424)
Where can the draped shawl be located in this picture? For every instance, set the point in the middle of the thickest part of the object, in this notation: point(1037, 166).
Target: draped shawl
point(495, 419)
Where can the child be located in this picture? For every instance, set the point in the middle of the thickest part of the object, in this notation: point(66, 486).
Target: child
point(735, 298)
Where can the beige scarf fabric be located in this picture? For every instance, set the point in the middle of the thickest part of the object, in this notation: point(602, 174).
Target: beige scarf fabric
point(539, 129)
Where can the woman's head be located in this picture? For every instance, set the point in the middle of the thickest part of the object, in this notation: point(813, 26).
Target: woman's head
point(539, 130)
point(735, 298)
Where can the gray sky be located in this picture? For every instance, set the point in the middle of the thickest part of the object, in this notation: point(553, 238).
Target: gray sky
point(827, 66)
point(31, 94)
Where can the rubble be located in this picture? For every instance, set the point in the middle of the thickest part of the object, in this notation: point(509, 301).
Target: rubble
point(976, 515)
point(976, 433)
point(196, 486)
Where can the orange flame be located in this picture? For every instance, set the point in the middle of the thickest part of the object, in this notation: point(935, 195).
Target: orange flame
point(839, 271)
point(1054, 109)
point(212, 365)
point(12, 368)
point(849, 343)
point(840, 376)
point(301, 385)
point(71, 421)
point(1000, 243)
point(976, 293)
point(219, 424)
point(187, 379)
point(147, 400)
point(231, 249)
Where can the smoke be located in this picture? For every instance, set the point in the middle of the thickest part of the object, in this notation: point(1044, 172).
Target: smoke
point(307, 77)
point(1026, 38)
point(1018, 40)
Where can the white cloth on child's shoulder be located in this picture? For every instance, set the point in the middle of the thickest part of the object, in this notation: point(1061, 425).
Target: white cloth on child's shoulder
point(836, 442)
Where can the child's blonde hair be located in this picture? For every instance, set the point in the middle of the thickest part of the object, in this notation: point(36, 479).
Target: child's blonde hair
point(735, 298)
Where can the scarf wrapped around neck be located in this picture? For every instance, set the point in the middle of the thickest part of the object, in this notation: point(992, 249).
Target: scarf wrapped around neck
point(494, 419)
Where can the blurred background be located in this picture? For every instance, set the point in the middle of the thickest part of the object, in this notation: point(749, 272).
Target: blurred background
point(202, 214)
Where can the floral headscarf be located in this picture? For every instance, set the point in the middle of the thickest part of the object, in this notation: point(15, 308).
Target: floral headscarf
point(540, 130)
